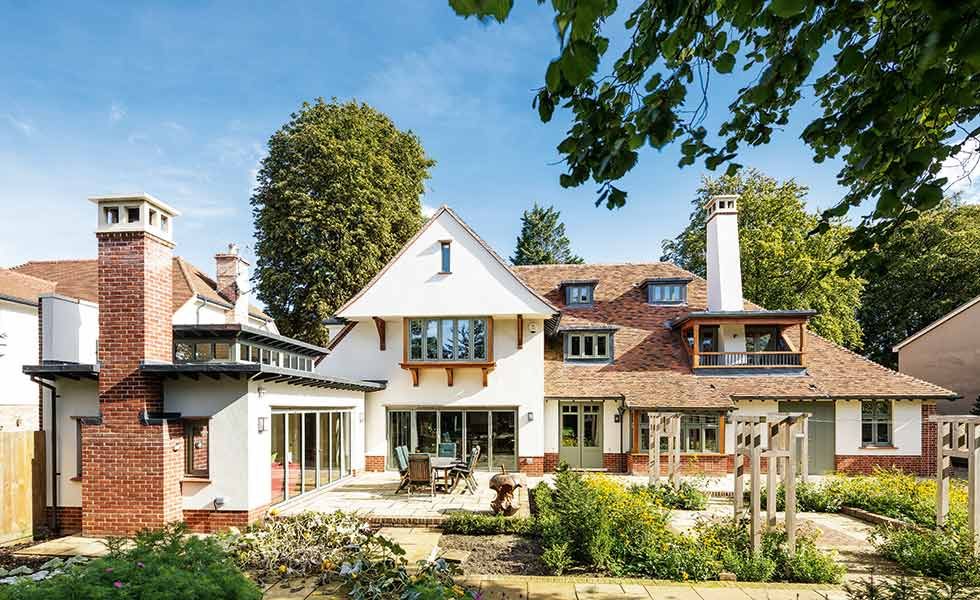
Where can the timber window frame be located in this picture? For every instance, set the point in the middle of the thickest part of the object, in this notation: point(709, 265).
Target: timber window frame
point(703, 423)
point(427, 340)
point(197, 440)
point(877, 424)
point(579, 295)
point(588, 346)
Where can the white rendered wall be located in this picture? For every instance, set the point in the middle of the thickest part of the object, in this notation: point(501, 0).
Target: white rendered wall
point(279, 395)
point(552, 436)
point(77, 399)
point(197, 312)
point(478, 284)
point(906, 429)
point(732, 337)
point(517, 382)
point(69, 329)
point(18, 394)
point(748, 408)
point(724, 263)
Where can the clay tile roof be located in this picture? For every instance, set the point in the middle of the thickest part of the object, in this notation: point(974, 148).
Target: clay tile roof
point(80, 279)
point(23, 287)
point(652, 367)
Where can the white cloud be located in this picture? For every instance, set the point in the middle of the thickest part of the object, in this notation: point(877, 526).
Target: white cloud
point(960, 170)
point(116, 112)
point(22, 125)
point(427, 210)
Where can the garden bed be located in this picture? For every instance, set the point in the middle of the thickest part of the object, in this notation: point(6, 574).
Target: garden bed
point(502, 554)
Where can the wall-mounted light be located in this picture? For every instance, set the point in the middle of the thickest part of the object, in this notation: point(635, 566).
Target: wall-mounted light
point(530, 416)
point(261, 424)
point(261, 391)
point(532, 327)
point(176, 446)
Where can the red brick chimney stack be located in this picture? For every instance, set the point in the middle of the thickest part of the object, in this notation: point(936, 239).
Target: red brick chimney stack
point(131, 465)
point(233, 283)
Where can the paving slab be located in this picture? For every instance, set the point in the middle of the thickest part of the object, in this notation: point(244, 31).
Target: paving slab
point(785, 594)
point(70, 545)
point(663, 592)
point(504, 590)
point(291, 589)
point(550, 590)
point(721, 593)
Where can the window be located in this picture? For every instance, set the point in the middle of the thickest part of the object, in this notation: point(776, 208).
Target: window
point(587, 345)
point(667, 293)
point(164, 223)
point(184, 352)
point(266, 357)
point(709, 338)
point(446, 264)
point(202, 352)
point(196, 448)
point(222, 351)
point(876, 423)
point(764, 338)
point(132, 214)
point(699, 434)
point(578, 295)
point(111, 215)
point(447, 339)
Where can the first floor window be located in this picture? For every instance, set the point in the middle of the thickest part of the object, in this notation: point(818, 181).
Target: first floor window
point(876, 423)
point(196, 448)
point(447, 339)
point(578, 295)
point(699, 433)
point(666, 293)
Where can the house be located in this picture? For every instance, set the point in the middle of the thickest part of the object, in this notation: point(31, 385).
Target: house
point(19, 346)
point(168, 396)
point(947, 353)
point(542, 364)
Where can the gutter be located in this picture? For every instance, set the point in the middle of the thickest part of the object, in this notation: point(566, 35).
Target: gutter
point(55, 471)
point(16, 300)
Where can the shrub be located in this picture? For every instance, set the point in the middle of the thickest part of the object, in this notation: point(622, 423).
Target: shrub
point(810, 497)
point(162, 564)
point(464, 523)
point(687, 496)
point(557, 558)
point(809, 565)
point(946, 555)
point(903, 588)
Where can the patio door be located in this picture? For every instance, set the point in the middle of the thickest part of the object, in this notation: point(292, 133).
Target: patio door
point(430, 430)
point(580, 434)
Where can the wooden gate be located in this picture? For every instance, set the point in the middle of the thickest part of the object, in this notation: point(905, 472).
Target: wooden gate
point(22, 491)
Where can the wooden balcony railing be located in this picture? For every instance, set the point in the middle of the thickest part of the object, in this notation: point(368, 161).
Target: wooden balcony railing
point(749, 359)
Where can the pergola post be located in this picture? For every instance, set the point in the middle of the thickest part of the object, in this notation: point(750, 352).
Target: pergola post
point(773, 440)
point(943, 443)
point(953, 432)
point(973, 481)
point(653, 470)
point(739, 468)
point(665, 425)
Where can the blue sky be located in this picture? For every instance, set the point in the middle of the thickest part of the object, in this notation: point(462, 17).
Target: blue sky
point(178, 100)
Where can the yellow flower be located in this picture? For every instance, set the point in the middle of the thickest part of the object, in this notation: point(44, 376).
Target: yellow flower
point(282, 568)
point(273, 512)
point(684, 575)
point(327, 565)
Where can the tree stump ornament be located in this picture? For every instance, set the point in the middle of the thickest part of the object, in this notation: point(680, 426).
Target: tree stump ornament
point(505, 485)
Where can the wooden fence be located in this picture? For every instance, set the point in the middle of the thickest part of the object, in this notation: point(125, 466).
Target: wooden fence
point(22, 491)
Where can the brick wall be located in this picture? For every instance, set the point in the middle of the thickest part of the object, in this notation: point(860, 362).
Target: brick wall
point(531, 465)
point(613, 462)
point(69, 519)
point(212, 521)
point(550, 462)
point(132, 471)
point(691, 464)
point(923, 465)
point(374, 463)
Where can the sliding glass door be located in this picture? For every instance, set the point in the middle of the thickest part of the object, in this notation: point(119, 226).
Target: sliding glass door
point(310, 449)
point(431, 430)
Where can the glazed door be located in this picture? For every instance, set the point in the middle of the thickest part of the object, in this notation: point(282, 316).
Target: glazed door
point(580, 434)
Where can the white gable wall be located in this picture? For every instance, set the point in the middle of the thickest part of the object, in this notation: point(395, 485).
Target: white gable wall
point(414, 286)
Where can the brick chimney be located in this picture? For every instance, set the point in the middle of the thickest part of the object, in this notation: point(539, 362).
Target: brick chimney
point(723, 258)
point(233, 283)
point(130, 466)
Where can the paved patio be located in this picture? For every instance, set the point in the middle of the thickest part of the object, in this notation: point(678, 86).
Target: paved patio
point(372, 496)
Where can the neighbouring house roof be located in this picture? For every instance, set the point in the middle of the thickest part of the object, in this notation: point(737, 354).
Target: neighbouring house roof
point(22, 288)
point(80, 279)
point(950, 315)
point(445, 210)
point(652, 367)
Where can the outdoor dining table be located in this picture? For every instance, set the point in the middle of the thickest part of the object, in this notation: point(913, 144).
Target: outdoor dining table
point(442, 464)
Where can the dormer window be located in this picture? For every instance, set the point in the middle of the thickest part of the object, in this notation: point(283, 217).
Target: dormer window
point(446, 256)
point(667, 291)
point(578, 293)
point(588, 346)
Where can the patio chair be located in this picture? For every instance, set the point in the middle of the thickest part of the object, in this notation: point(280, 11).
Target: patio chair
point(401, 455)
point(465, 471)
point(447, 450)
point(419, 472)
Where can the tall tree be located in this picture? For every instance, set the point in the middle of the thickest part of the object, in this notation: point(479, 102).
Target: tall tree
point(783, 267)
point(542, 240)
point(926, 269)
point(899, 96)
point(337, 196)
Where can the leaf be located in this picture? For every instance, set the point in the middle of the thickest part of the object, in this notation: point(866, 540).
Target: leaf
point(546, 107)
point(725, 63)
point(928, 196)
point(552, 77)
point(579, 61)
point(787, 8)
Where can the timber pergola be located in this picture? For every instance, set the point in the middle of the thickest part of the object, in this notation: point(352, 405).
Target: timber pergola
point(665, 425)
point(958, 436)
point(786, 452)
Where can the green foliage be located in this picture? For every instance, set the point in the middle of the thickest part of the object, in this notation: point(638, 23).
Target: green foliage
point(594, 522)
point(924, 270)
point(946, 555)
point(542, 240)
point(157, 565)
point(336, 197)
point(467, 523)
point(783, 265)
point(687, 496)
point(898, 97)
point(810, 497)
point(903, 588)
